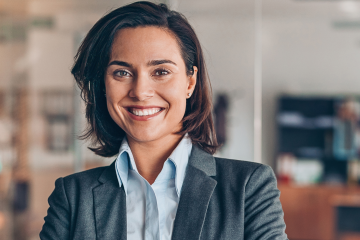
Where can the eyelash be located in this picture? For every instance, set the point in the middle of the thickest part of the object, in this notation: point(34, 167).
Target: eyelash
point(162, 70)
point(123, 72)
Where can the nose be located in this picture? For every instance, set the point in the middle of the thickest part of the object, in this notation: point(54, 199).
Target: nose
point(141, 88)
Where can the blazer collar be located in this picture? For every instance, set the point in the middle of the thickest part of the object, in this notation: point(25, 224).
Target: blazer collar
point(198, 187)
point(110, 207)
point(109, 175)
point(203, 161)
point(199, 159)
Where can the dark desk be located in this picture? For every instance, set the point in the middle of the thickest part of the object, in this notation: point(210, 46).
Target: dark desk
point(347, 209)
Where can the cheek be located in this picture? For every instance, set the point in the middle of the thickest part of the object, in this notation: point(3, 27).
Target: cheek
point(115, 91)
point(176, 97)
point(114, 95)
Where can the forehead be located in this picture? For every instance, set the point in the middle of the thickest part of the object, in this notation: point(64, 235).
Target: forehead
point(145, 43)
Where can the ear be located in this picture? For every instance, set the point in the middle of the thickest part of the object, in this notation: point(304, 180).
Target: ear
point(191, 82)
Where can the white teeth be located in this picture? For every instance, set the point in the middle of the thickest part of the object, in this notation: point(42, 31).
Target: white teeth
point(145, 112)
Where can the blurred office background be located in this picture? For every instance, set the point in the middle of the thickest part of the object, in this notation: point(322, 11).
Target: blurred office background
point(286, 84)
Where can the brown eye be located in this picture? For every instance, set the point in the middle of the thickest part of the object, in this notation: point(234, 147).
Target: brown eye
point(161, 72)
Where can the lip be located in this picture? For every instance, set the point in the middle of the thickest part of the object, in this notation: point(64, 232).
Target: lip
point(143, 118)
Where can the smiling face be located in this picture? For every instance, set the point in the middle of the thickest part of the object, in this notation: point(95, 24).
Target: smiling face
point(146, 83)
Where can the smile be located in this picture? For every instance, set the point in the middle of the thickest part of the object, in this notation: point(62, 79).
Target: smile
point(141, 113)
point(144, 112)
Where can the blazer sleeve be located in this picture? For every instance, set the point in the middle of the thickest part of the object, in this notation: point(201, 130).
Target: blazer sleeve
point(264, 217)
point(57, 221)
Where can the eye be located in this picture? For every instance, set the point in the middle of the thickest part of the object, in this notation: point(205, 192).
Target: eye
point(161, 72)
point(122, 73)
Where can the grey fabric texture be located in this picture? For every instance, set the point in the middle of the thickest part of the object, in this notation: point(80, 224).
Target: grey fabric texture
point(221, 199)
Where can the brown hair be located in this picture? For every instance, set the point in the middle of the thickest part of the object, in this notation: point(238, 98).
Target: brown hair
point(91, 62)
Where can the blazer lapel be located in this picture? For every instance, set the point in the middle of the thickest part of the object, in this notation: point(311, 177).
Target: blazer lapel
point(195, 195)
point(110, 207)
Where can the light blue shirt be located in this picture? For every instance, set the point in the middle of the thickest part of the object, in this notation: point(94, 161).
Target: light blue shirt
point(151, 209)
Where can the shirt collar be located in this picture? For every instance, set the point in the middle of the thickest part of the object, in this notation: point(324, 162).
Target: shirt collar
point(179, 157)
point(124, 162)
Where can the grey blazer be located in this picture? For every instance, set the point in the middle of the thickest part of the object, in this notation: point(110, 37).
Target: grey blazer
point(220, 199)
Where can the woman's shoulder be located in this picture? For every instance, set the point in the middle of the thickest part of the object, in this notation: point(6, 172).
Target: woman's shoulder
point(85, 178)
point(244, 170)
point(240, 165)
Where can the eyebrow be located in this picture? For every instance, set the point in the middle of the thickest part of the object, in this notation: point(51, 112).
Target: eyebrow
point(158, 62)
point(150, 63)
point(120, 63)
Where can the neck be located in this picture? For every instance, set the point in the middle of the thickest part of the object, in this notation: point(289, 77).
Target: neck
point(150, 156)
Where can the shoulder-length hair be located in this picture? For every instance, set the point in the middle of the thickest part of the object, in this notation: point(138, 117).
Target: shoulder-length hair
point(93, 57)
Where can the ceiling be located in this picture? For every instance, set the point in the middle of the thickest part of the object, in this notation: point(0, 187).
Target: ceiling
point(332, 9)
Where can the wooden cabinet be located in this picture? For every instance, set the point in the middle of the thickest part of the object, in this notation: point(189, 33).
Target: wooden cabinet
point(310, 211)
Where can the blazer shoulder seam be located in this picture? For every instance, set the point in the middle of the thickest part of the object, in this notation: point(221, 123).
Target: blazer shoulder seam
point(247, 181)
point(100, 170)
point(254, 165)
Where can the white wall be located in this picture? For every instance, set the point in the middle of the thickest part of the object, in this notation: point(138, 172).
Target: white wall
point(226, 32)
point(50, 57)
point(10, 53)
point(229, 48)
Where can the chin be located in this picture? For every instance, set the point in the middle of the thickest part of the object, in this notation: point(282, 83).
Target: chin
point(144, 136)
point(148, 135)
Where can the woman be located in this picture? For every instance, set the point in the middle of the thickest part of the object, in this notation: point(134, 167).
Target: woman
point(143, 78)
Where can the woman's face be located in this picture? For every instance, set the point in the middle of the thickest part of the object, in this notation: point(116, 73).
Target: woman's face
point(146, 83)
